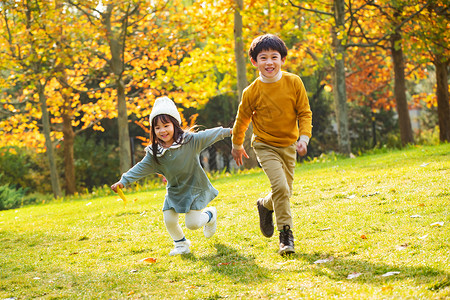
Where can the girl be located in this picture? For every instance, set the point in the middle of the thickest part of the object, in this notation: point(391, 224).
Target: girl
point(174, 153)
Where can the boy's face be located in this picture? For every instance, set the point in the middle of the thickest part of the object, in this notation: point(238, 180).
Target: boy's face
point(268, 62)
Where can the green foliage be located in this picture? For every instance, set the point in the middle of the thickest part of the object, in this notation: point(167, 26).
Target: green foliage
point(370, 129)
point(18, 167)
point(96, 163)
point(10, 197)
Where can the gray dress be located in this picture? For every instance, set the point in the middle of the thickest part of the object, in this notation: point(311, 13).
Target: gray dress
point(188, 187)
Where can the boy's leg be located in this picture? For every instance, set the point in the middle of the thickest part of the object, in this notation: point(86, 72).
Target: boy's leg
point(278, 164)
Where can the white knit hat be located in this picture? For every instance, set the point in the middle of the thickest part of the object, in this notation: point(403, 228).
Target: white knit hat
point(165, 106)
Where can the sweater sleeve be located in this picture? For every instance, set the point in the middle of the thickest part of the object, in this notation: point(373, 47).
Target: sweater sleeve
point(143, 168)
point(206, 138)
point(243, 119)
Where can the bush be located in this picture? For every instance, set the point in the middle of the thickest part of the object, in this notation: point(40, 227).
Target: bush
point(96, 164)
point(10, 197)
point(17, 167)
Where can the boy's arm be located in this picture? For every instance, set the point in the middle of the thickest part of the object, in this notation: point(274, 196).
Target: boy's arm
point(243, 118)
point(241, 124)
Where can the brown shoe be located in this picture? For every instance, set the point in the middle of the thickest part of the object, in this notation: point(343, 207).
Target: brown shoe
point(265, 219)
point(286, 241)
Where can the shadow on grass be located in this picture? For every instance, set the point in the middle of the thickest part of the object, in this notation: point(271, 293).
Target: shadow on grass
point(229, 262)
point(370, 273)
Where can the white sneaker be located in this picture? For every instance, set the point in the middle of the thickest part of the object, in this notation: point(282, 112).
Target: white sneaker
point(181, 248)
point(211, 226)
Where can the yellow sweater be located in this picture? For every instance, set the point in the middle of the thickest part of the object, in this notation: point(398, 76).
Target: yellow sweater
point(274, 109)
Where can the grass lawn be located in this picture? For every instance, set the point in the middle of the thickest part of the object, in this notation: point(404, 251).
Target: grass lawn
point(356, 220)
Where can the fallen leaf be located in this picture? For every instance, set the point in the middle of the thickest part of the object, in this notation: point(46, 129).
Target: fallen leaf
point(130, 293)
point(386, 288)
point(422, 204)
point(325, 229)
point(149, 260)
point(322, 261)
point(353, 275)
point(225, 263)
point(402, 247)
point(364, 237)
point(390, 273)
point(437, 224)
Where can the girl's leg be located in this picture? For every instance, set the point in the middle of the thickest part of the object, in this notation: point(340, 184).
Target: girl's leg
point(196, 219)
point(172, 225)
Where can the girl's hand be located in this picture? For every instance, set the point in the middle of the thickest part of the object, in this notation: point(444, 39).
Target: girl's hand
point(115, 185)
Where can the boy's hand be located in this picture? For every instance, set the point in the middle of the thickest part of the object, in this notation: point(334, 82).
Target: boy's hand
point(237, 155)
point(302, 148)
point(115, 185)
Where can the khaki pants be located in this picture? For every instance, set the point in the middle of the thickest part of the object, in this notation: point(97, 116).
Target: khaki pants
point(278, 163)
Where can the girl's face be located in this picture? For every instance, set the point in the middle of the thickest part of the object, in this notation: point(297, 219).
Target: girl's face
point(268, 62)
point(164, 133)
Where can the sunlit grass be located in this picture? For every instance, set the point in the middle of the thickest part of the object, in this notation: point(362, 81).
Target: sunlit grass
point(368, 216)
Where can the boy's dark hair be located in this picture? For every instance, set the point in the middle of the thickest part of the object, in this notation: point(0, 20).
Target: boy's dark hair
point(177, 132)
point(267, 42)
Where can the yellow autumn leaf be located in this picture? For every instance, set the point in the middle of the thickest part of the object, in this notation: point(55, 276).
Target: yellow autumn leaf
point(121, 195)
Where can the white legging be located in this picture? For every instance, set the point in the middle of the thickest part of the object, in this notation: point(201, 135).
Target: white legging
point(194, 219)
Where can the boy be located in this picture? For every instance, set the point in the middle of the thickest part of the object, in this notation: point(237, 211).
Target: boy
point(277, 105)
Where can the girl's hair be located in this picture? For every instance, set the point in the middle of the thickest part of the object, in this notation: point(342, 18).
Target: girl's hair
point(177, 132)
point(267, 42)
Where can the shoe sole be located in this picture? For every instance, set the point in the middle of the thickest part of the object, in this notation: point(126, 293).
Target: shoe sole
point(286, 251)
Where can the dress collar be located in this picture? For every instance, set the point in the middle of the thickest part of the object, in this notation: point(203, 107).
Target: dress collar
point(270, 80)
point(161, 150)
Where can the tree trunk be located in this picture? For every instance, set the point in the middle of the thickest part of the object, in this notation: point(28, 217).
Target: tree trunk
point(404, 120)
point(54, 178)
point(242, 78)
point(122, 121)
point(69, 166)
point(117, 45)
point(442, 94)
point(340, 95)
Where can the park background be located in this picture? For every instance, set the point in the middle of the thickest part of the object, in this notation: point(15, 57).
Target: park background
point(78, 80)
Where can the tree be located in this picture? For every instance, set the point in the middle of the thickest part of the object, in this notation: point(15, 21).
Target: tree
point(393, 16)
point(28, 47)
point(432, 35)
point(338, 26)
